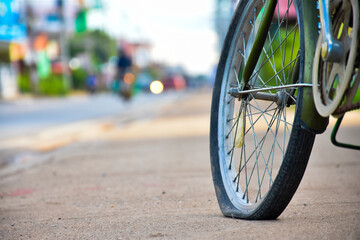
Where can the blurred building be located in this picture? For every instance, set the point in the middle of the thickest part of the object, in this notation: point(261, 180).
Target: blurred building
point(33, 43)
point(12, 37)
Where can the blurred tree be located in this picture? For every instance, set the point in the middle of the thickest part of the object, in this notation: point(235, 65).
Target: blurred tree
point(97, 44)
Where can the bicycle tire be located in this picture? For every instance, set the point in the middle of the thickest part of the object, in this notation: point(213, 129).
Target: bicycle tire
point(234, 201)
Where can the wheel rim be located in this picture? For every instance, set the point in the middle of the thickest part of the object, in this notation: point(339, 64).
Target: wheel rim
point(249, 163)
point(330, 79)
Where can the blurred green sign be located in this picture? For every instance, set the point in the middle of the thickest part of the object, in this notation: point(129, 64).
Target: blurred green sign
point(43, 65)
point(80, 21)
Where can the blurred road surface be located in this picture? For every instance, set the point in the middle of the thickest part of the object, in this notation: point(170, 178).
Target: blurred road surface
point(30, 116)
point(150, 178)
point(45, 124)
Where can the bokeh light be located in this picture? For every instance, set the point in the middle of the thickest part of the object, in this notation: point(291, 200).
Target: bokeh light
point(74, 63)
point(129, 78)
point(156, 87)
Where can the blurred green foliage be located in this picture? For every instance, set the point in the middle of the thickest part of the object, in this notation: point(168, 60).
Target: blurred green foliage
point(79, 78)
point(4, 56)
point(54, 85)
point(97, 44)
point(24, 82)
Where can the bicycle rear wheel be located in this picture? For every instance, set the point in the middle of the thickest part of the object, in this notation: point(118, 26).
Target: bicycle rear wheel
point(258, 149)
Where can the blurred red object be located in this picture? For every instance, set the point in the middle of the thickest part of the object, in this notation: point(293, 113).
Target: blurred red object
point(174, 82)
point(283, 11)
point(57, 68)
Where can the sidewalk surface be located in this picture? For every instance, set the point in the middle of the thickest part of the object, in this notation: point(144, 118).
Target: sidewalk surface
point(150, 179)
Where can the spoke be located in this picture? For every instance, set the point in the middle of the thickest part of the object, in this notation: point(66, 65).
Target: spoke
point(273, 146)
point(281, 70)
point(237, 125)
point(241, 53)
point(241, 157)
point(257, 165)
point(286, 30)
point(290, 96)
point(237, 78)
point(270, 45)
point(285, 127)
point(293, 66)
point(247, 181)
point(247, 193)
point(244, 47)
point(241, 107)
point(292, 51)
point(273, 52)
point(255, 75)
point(262, 113)
point(227, 136)
point(274, 69)
point(279, 26)
point(256, 153)
point(257, 113)
point(267, 162)
point(281, 52)
point(258, 146)
point(268, 124)
point(257, 142)
point(237, 177)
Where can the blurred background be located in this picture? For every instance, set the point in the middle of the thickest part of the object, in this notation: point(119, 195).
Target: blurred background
point(66, 62)
point(66, 47)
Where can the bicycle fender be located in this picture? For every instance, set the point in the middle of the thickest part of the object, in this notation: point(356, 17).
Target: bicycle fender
point(310, 118)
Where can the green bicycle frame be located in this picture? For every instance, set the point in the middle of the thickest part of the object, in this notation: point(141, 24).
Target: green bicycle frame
point(256, 50)
point(311, 120)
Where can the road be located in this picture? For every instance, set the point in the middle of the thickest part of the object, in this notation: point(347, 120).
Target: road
point(28, 115)
point(47, 123)
point(150, 179)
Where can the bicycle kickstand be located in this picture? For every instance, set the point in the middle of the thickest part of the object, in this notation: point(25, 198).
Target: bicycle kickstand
point(340, 144)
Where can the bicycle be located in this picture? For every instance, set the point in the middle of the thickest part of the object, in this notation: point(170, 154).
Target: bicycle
point(280, 76)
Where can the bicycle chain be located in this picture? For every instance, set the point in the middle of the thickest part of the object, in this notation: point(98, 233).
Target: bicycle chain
point(352, 106)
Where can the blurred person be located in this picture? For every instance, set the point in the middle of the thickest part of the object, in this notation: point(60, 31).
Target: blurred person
point(124, 65)
point(91, 83)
